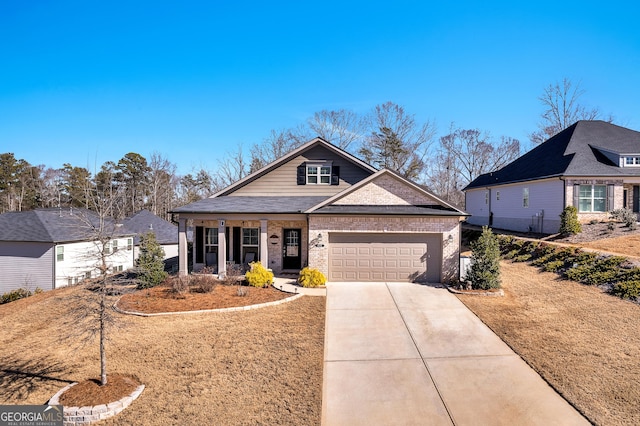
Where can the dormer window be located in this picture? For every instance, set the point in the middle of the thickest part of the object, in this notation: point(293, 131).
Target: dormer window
point(318, 174)
point(631, 161)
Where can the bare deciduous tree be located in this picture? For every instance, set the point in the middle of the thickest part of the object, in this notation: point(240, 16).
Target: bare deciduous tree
point(465, 154)
point(162, 181)
point(343, 128)
point(561, 109)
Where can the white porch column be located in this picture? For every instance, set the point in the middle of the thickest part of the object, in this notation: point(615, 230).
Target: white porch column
point(183, 268)
point(222, 249)
point(264, 248)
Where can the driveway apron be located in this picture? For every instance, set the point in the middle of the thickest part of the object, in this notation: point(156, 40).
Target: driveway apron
point(409, 354)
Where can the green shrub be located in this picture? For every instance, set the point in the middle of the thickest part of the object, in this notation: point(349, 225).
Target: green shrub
point(553, 266)
point(601, 271)
point(19, 293)
point(627, 289)
point(569, 224)
point(311, 277)
point(522, 257)
point(485, 267)
point(258, 275)
point(150, 262)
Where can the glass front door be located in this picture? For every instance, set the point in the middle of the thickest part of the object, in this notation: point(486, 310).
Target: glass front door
point(291, 258)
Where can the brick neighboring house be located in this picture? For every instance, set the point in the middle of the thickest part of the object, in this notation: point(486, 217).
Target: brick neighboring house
point(52, 248)
point(592, 165)
point(322, 207)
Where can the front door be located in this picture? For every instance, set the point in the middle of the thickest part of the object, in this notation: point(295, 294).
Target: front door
point(291, 258)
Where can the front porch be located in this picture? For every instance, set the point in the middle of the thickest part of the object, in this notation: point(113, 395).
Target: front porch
point(279, 244)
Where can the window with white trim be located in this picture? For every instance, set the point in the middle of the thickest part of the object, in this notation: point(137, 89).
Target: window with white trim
point(114, 245)
point(129, 244)
point(250, 237)
point(592, 198)
point(318, 174)
point(525, 198)
point(632, 161)
point(59, 253)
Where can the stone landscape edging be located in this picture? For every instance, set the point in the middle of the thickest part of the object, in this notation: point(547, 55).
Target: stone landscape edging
point(78, 416)
point(202, 311)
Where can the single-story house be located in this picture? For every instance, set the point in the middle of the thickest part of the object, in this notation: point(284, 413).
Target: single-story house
point(592, 165)
point(166, 233)
point(52, 248)
point(320, 206)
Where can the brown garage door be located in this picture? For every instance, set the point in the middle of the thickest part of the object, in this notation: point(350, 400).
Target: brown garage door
point(384, 257)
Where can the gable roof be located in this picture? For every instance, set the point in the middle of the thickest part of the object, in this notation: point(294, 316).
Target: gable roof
point(439, 207)
point(55, 225)
point(576, 151)
point(292, 154)
point(144, 221)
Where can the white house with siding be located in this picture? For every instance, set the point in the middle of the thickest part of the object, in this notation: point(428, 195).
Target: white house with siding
point(52, 248)
point(592, 165)
point(166, 232)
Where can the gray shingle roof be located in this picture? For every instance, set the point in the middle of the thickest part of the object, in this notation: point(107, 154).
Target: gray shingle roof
point(54, 226)
point(245, 204)
point(145, 221)
point(431, 210)
point(576, 151)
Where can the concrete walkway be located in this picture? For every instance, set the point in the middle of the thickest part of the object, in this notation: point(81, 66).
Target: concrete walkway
point(406, 354)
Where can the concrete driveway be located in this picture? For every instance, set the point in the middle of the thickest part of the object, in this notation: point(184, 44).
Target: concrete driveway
point(408, 354)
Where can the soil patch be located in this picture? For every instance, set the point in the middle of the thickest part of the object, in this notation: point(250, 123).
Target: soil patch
point(89, 392)
point(582, 341)
point(163, 299)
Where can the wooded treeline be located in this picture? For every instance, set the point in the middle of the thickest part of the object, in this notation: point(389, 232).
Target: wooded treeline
point(388, 136)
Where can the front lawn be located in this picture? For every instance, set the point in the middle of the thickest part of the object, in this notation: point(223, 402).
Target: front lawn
point(260, 366)
point(583, 341)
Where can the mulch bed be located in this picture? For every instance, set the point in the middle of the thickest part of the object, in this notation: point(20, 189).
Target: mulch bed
point(164, 299)
point(89, 392)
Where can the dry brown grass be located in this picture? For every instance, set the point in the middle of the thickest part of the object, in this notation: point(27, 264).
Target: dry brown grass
point(584, 342)
point(260, 366)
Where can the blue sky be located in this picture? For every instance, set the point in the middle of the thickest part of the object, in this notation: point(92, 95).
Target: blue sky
point(83, 82)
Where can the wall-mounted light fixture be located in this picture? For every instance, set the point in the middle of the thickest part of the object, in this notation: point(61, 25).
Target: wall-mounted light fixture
point(319, 241)
point(450, 238)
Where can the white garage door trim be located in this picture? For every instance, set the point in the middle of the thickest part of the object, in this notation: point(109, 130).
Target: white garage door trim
point(385, 257)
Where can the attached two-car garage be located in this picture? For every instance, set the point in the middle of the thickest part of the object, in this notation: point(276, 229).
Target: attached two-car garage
point(385, 257)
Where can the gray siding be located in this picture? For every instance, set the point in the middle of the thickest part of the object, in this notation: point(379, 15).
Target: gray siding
point(24, 264)
point(282, 180)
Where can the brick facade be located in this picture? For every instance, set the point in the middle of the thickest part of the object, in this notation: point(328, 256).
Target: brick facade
point(386, 190)
point(585, 217)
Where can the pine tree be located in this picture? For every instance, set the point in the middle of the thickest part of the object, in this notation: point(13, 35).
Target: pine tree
point(485, 268)
point(150, 262)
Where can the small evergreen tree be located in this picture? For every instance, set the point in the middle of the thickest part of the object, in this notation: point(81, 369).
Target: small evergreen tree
point(569, 224)
point(150, 261)
point(485, 267)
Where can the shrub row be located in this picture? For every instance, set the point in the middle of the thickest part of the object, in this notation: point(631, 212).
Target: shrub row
point(17, 294)
point(575, 264)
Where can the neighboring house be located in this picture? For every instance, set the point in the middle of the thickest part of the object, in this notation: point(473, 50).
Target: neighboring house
point(166, 232)
point(322, 207)
point(51, 248)
point(592, 165)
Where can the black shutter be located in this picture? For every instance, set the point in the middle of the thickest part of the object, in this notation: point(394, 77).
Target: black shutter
point(199, 244)
point(335, 175)
point(610, 198)
point(301, 177)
